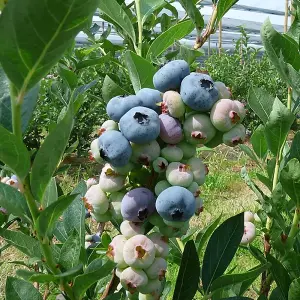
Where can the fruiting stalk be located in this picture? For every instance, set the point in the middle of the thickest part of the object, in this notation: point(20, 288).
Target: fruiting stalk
point(140, 26)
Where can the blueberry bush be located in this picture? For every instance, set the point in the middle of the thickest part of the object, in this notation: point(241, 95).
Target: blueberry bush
point(149, 186)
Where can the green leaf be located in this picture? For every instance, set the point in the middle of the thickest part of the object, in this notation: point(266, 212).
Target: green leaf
point(68, 76)
point(276, 43)
point(148, 7)
point(27, 108)
point(294, 30)
point(265, 180)
point(110, 89)
point(14, 202)
point(280, 275)
point(242, 281)
point(205, 233)
point(14, 154)
point(295, 147)
point(194, 14)
point(250, 153)
point(167, 38)
point(221, 249)
point(23, 242)
point(84, 281)
point(50, 194)
point(260, 102)
point(251, 184)
point(257, 254)
point(223, 7)
point(278, 126)
point(49, 155)
point(140, 71)
point(49, 216)
point(27, 57)
point(189, 273)
point(114, 11)
point(290, 179)
point(18, 289)
point(294, 290)
point(70, 251)
point(95, 61)
point(35, 276)
point(259, 143)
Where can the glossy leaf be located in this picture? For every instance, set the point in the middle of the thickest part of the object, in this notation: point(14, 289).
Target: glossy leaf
point(49, 216)
point(18, 289)
point(242, 280)
point(69, 77)
point(31, 43)
point(84, 281)
point(223, 7)
point(259, 143)
point(295, 147)
point(49, 155)
point(50, 194)
point(194, 14)
point(290, 179)
point(205, 233)
point(115, 12)
point(221, 249)
point(28, 105)
point(14, 201)
point(110, 89)
point(140, 71)
point(148, 7)
point(280, 276)
point(167, 38)
point(70, 251)
point(278, 126)
point(189, 273)
point(14, 154)
point(23, 242)
point(294, 290)
point(260, 102)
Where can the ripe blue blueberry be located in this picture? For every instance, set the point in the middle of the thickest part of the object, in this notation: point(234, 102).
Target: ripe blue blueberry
point(198, 92)
point(176, 204)
point(169, 77)
point(138, 204)
point(114, 148)
point(140, 125)
point(120, 105)
point(150, 98)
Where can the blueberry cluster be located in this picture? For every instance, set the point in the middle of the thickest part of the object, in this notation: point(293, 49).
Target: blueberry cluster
point(157, 132)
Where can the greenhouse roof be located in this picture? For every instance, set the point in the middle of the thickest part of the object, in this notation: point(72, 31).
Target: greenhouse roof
point(249, 14)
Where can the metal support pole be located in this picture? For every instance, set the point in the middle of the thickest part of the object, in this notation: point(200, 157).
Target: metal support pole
point(220, 37)
point(286, 15)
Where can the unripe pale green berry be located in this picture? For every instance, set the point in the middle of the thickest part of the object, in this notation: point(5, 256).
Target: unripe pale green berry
point(153, 288)
point(161, 244)
point(13, 183)
point(199, 206)
point(134, 296)
point(248, 216)
point(90, 182)
point(194, 189)
point(198, 129)
point(188, 150)
point(110, 181)
point(119, 271)
point(145, 153)
point(175, 224)
point(133, 279)
point(115, 251)
point(235, 136)
point(5, 179)
point(161, 186)
point(179, 174)
point(224, 92)
point(108, 125)
point(160, 165)
point(95, 151)
point(95, 200)
point(183, 230)
point(156, 220)
point(249, 233)
point(124, 170)
point(139, 252)
point(130, 229)
point(172, 153)
point(173, 104)
point(198, 169)
point(158, 269)
point(168, 231)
